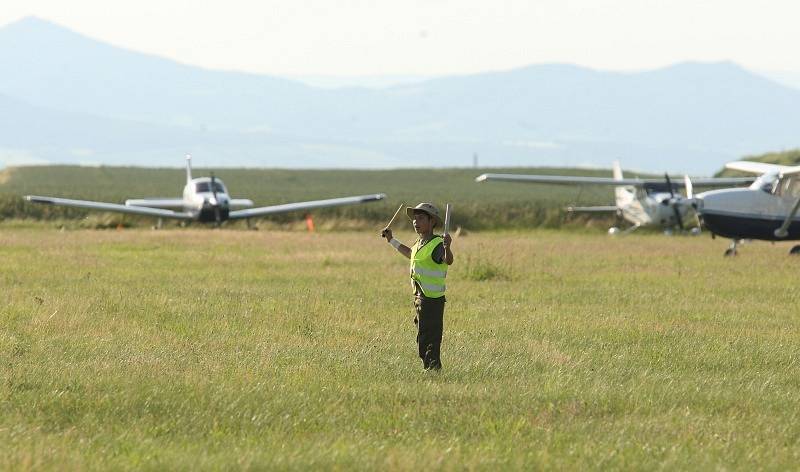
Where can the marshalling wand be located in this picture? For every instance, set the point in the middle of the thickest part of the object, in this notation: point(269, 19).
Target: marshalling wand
point(447, 209)
point(388, 226)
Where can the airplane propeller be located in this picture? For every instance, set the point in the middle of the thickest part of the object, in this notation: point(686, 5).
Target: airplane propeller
point(217, 215)
point(687, 183)
point(673, 202)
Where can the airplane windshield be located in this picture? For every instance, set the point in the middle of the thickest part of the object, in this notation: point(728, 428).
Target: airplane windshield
point(765, 183)
point(788, 187)
point(206, 187)
point(653, 187)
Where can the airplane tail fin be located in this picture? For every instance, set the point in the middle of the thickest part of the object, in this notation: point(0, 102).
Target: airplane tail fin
point(622, 195)
point(188, 168)
point(617, 171)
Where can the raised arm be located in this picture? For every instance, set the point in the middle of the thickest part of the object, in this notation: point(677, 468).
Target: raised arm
point(448, 254)
point(401, 248)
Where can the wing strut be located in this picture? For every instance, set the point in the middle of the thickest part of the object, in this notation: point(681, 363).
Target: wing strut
point(783, 231)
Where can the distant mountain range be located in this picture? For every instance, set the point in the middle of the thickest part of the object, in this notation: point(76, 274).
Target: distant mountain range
point(66, 98)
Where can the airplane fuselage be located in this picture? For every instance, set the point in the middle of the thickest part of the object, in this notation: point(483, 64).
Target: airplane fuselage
point(204, 203)
point(655, 208)
point(749, 213)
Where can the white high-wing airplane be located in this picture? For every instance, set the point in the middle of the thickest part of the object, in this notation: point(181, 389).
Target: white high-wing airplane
point(205, 199)
point(766, 210)
point(641, 202)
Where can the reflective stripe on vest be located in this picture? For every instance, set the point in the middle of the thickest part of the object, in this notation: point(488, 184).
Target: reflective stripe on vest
point(425, 272)
point(428, 288)
point(430, 273)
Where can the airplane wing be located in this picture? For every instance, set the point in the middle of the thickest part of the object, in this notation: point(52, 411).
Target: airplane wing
point(559, 179)
point(719, 182)
point(101, 206)
point(178, 202)
point(578, 180)
point(592, 209)
point(271, 210)
point(156, 202)
point(762, 168)
point(241, 202)
point(755, 167)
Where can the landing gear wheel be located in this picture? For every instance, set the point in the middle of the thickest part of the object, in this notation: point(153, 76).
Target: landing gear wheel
point(794, 251)
point(731, 251)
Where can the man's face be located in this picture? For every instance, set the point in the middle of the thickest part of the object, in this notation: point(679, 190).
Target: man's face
point(423, 223)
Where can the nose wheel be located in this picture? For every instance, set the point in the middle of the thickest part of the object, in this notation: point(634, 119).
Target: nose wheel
point(731, 251)
point(794, 251)
point(217, 216)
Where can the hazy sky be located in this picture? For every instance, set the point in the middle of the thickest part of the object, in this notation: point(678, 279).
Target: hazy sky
point(434, 37)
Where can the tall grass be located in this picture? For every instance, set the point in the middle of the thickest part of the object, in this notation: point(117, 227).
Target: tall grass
point(480, 266)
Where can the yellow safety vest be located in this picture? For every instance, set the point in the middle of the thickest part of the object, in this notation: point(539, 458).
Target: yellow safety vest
point(425, 272)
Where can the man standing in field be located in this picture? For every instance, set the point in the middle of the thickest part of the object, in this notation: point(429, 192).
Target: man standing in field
point(430, 255)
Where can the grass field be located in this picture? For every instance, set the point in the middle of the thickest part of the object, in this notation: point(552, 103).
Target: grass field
point(203, 349)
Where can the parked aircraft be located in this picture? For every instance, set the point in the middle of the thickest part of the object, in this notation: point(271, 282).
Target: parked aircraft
point(641, 202)
point(766, 210)
point(205, 199)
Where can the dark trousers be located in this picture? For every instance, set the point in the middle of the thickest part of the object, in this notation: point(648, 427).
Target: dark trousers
point(430, 323)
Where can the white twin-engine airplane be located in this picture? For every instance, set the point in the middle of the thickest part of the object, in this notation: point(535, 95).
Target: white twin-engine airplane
point(641, 202)
point(206, 200)
point(766, 210)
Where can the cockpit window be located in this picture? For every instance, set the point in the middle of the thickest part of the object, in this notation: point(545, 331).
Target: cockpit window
point(766, 183)
point(206, 187)
point(651, 188)
point(788, 187)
